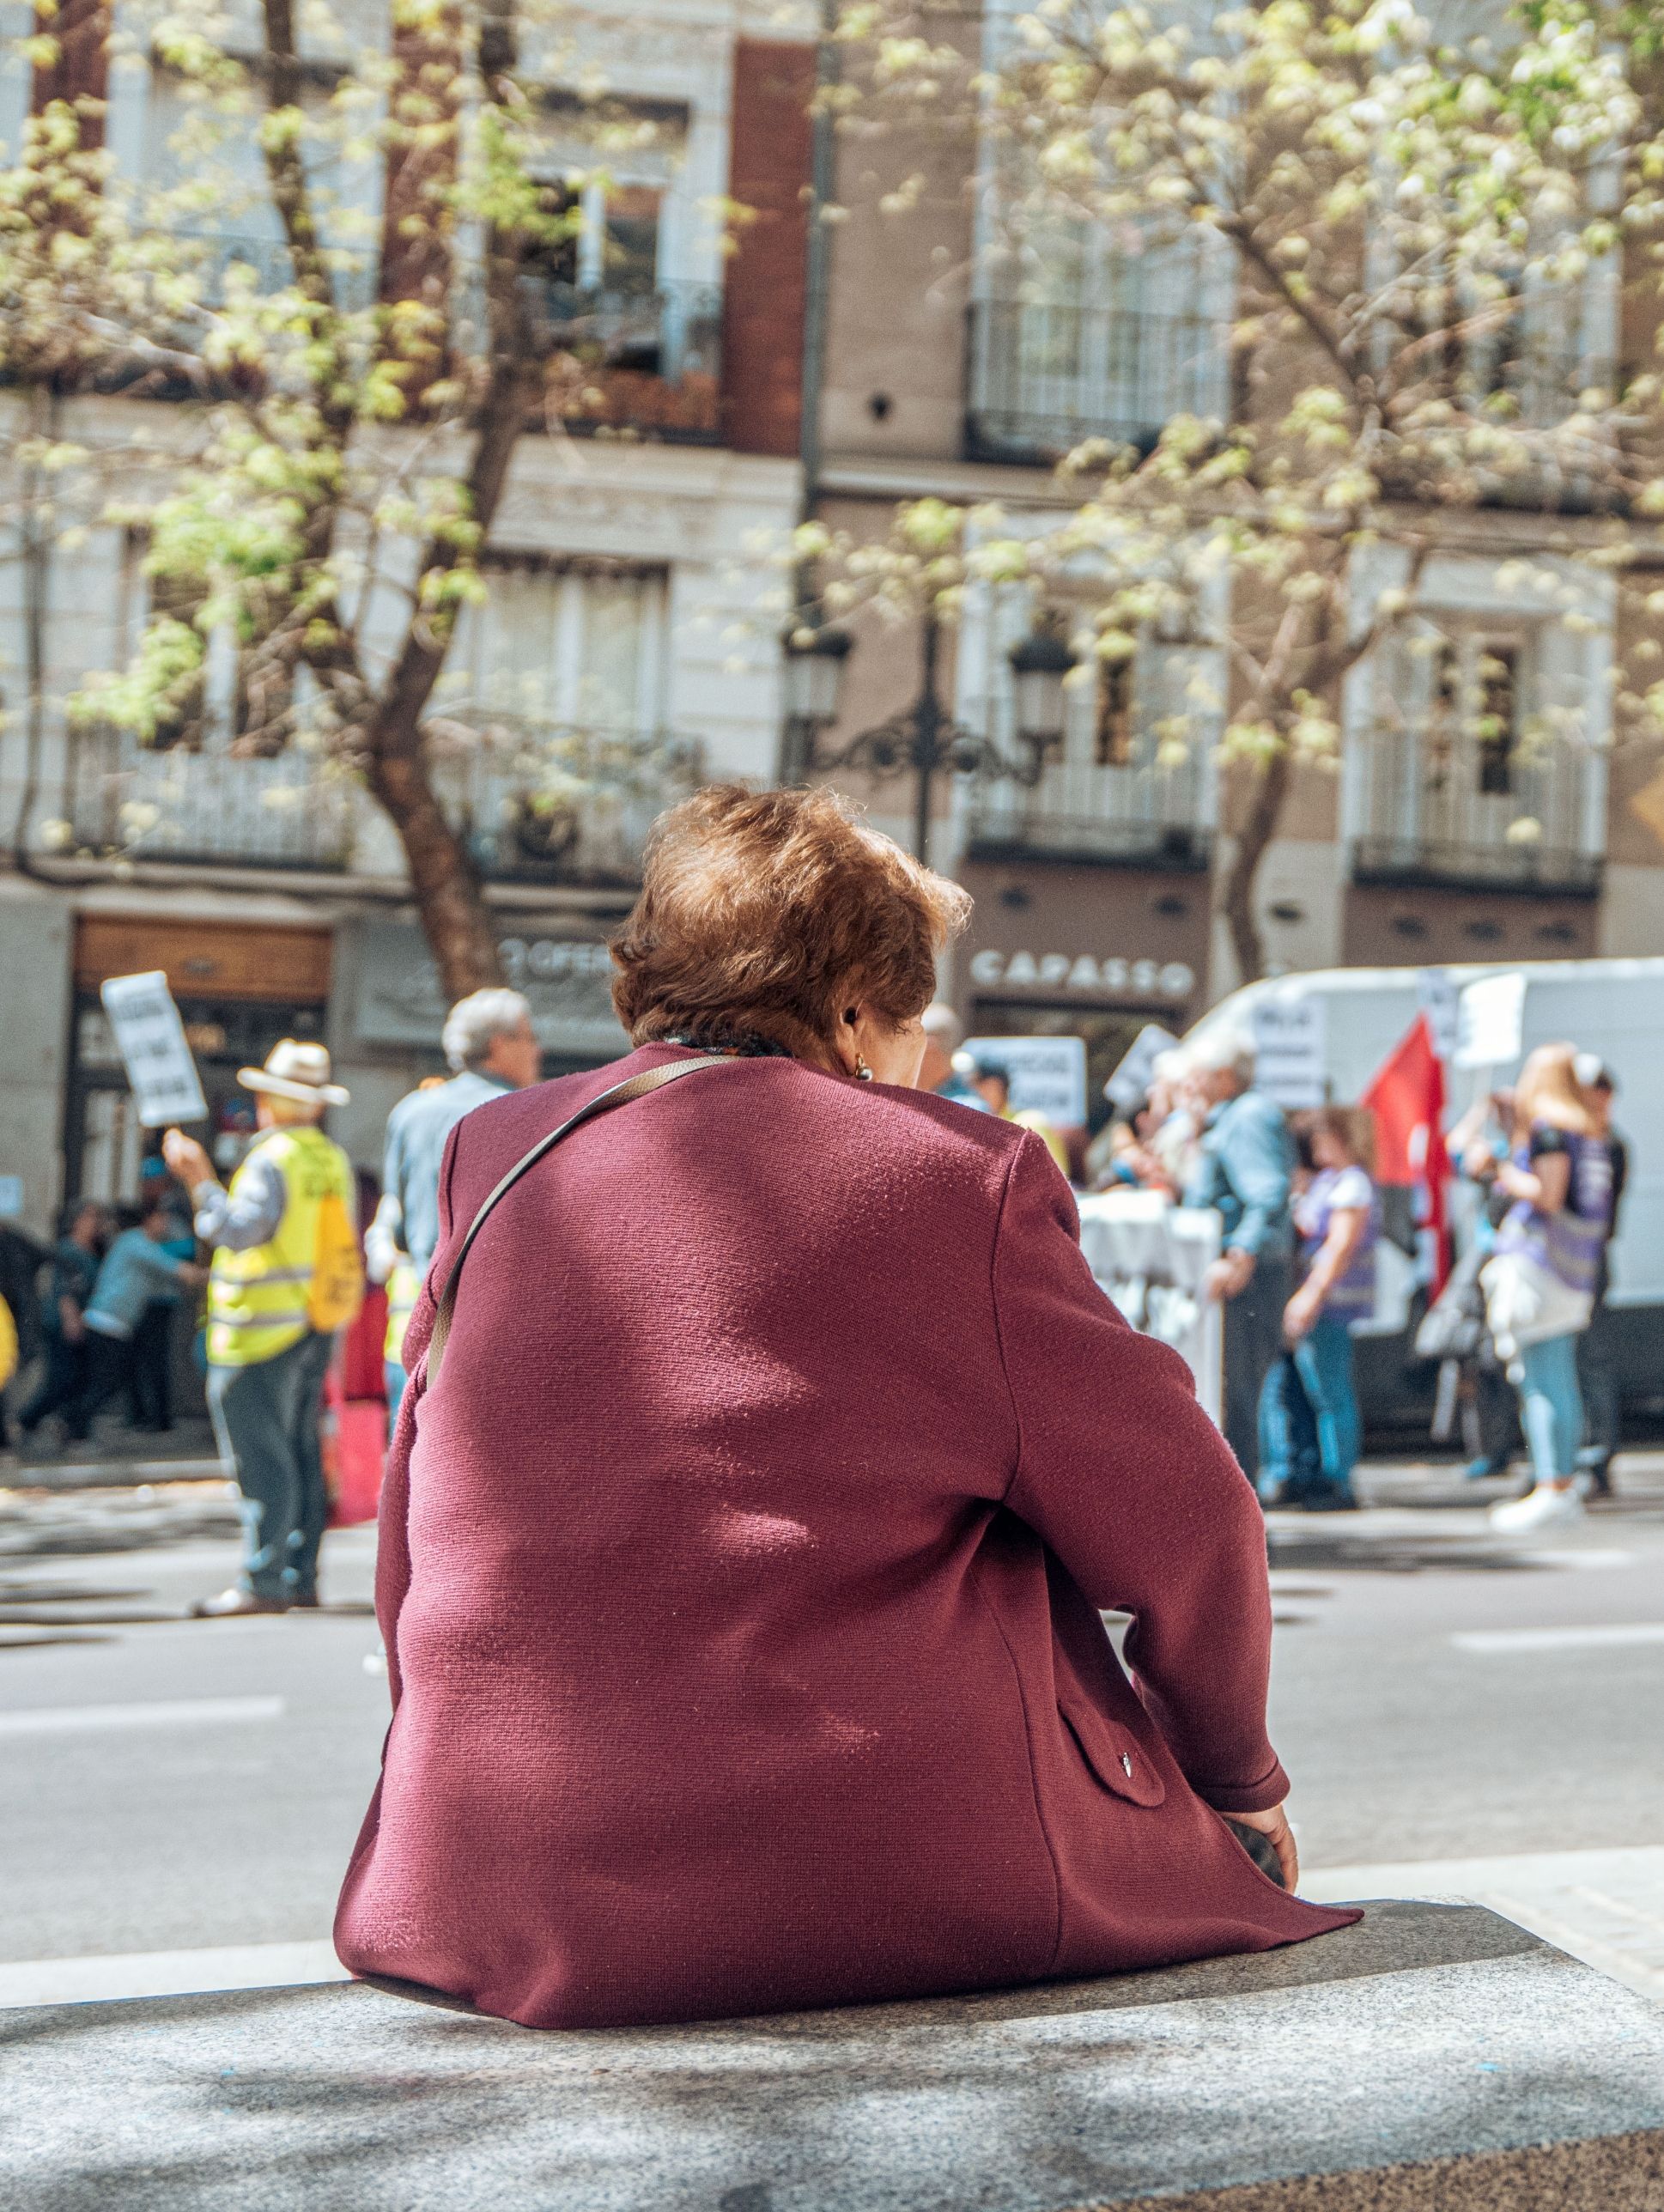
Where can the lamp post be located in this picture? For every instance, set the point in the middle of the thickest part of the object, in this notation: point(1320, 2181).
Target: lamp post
point(924, 738)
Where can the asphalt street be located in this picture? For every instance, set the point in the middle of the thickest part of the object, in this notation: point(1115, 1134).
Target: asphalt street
point(1461, 1714)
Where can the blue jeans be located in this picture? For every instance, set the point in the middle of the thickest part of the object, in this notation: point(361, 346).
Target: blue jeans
point(1310, 1433)
point(1551, 1407)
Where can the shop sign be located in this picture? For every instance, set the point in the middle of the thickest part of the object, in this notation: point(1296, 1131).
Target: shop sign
point(566, 980)
point(1082, 972)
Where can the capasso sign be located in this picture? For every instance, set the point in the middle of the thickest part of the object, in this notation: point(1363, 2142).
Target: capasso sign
point(1062, 971)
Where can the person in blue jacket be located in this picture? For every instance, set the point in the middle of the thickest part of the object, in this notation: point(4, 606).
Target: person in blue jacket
point(1244, 1168)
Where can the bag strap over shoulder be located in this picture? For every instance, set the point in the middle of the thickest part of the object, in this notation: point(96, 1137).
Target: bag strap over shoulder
point(633, 1086)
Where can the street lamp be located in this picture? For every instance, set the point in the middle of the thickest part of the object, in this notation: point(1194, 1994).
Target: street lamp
point(1040, 665)
point(924, 738)
point(814, 674)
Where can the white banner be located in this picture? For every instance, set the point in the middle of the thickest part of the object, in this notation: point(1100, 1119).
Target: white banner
point(150, 1038)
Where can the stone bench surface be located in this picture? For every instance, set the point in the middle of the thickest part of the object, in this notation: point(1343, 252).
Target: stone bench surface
point(1435, 2058)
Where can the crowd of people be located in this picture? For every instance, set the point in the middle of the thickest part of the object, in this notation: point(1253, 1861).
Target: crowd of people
point(1523, 1315)
point(1525, 1309)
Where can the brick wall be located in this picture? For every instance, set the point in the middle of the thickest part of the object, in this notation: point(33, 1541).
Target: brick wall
point(764, 288)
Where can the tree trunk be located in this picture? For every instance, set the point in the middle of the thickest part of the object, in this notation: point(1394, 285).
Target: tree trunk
point(1271, 778)
point(446, 890)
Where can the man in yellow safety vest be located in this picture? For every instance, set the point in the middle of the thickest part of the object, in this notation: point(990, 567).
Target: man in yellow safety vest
point(286, 1273)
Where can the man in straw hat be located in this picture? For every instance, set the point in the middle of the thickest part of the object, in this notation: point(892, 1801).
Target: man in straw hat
point(286, 1275)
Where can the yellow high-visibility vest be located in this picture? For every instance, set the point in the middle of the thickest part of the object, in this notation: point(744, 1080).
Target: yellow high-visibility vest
point(258, 1299)
point(404, 1289)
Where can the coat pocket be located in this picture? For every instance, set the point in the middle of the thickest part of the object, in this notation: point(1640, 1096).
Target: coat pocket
point(1113, 1754)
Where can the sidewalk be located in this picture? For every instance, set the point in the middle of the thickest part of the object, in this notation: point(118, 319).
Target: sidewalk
point(1606, 1908)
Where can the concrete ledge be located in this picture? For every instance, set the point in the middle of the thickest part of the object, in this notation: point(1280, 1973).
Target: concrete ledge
point(1434, 2058)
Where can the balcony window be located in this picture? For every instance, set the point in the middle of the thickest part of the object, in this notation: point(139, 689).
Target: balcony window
point(558, 681)
point(1077, 338)
point(207, 157)
point(1132, 781)
point(1113, 731)
point(1473, 747)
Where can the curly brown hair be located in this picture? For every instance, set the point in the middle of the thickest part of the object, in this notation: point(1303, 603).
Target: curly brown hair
point(770, 913)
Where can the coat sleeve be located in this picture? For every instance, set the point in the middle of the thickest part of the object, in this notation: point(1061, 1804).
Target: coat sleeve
point(1126, 1479)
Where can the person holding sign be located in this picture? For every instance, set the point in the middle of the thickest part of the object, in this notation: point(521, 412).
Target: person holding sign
point(286, 1273)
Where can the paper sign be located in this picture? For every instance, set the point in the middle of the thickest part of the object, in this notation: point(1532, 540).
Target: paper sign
point(1290, 1038)
point(1049, 1074)
point(1491, 1022)
point(1131, 1079)
point(151, 1040)
point(1437, 997)
point(11, 1197)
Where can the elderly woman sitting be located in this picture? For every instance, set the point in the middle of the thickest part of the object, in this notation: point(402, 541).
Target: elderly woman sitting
point(741, 1567)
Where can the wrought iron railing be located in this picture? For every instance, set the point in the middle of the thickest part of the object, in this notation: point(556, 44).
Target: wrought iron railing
point(355, 270)
point(646, 361)
point(641, 360)
point(1454, 813)
point(543, 803)
point(536, 803)
point(129, 799)
point(1150, 812)
point(1044, 379)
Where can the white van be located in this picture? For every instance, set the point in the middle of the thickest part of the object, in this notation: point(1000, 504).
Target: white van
point(1611, 1007)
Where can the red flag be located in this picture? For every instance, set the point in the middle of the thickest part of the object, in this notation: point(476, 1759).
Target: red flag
point(1407, 1101)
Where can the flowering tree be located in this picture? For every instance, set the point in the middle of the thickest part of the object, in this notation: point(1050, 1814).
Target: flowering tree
point(349, 375)
point(1404, 267)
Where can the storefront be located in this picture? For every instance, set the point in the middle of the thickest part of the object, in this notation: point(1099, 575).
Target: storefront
point(390, 1007)
point(240, 986)
point(1093, 952)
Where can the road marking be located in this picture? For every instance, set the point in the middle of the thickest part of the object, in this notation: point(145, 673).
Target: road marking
point(1558, 1640)
point(182, 1712)
point(1584, 1559)
point(168, 1973)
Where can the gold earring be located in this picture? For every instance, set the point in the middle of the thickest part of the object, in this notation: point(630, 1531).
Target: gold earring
point(863, 1072)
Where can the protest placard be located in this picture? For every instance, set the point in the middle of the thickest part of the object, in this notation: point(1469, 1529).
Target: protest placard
point(150, 1038)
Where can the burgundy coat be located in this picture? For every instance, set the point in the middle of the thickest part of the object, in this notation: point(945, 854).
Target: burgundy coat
point(740, 1579)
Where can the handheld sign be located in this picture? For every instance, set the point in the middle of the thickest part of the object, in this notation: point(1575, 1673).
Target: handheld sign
point(1491, 1022)
point(1291, 1037)
point(150, 1038)
point(1048, 1073)
point(1136, 1067)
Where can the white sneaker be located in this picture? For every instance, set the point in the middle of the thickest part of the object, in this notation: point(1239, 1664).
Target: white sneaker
point(1545, 1507)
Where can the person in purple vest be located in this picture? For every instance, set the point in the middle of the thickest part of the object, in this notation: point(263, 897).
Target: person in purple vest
point(1310, 1432)
point(1559, 1175)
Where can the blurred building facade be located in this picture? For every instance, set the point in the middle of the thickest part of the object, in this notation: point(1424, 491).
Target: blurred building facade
point(626, 650)
point(857, 341)
point(954, 371)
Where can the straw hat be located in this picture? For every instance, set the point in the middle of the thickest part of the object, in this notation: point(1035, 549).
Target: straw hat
point(296, 1070)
